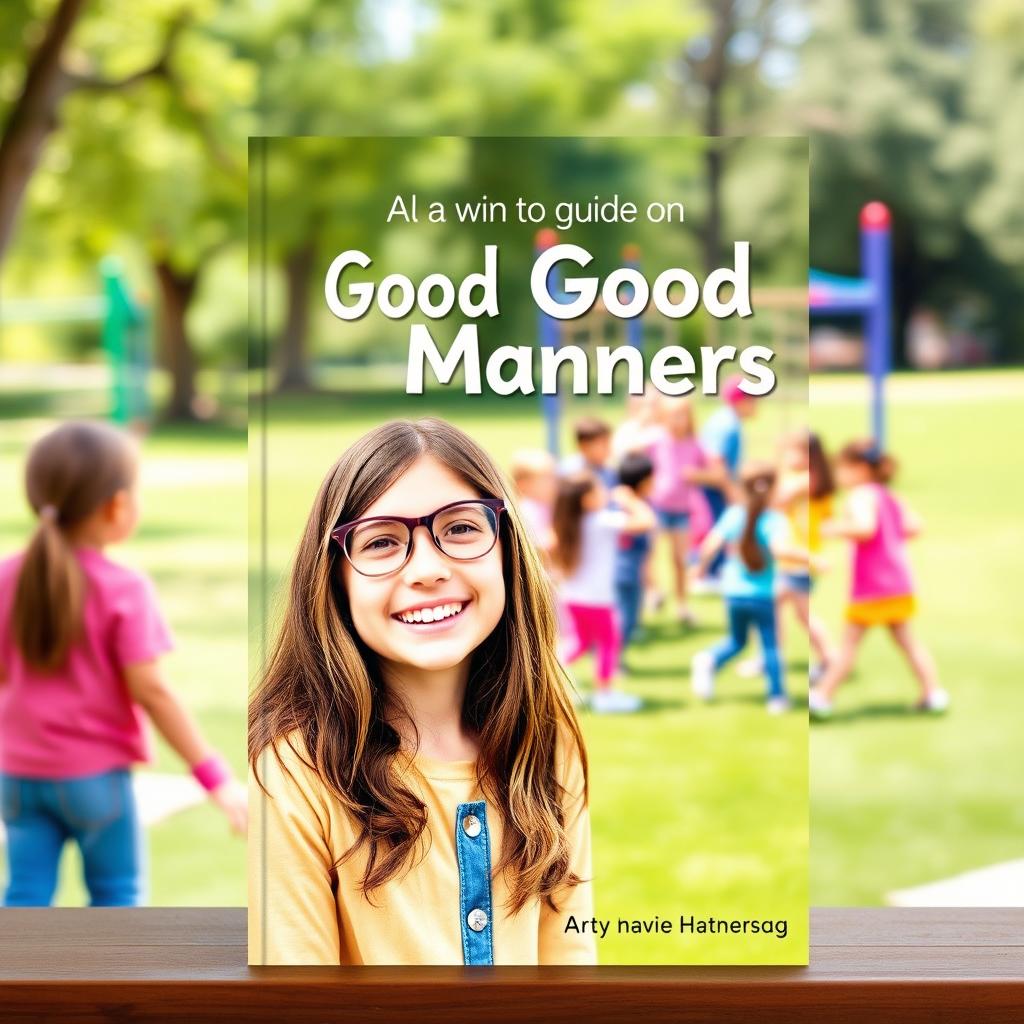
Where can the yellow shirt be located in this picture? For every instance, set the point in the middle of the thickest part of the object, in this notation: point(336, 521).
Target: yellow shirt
point(304, 910)
point(805, 515)
point(819, 510)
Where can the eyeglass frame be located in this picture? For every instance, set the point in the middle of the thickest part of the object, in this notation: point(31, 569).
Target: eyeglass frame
point(340, 533)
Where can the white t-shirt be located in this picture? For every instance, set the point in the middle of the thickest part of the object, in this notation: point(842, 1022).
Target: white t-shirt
point(592, 583)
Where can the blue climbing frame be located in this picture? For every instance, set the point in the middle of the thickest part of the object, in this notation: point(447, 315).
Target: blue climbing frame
point(868, 296)
point(549, 329)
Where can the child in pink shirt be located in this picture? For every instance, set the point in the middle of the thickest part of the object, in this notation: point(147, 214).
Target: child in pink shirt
point(587, 531)
point(679, 463)
point(881, 588)
point(80, 639)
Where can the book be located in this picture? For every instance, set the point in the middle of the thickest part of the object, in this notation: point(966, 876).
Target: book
point(521, 415)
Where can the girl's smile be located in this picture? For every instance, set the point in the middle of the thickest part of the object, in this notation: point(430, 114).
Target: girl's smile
point(433, 612)
point(436, 615)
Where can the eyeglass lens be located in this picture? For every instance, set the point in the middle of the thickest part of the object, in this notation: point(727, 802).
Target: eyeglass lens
point(462, 532)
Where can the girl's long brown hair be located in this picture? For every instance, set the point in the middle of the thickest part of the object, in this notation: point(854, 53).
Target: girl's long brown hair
point(757, 480)
point(819, 470)
point(70, 473)
point(567, 518)
point(324, 683)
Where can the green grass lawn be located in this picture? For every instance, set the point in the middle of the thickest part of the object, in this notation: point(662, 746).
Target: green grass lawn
point(192, 541)
point(898, 800)
point(695, 810)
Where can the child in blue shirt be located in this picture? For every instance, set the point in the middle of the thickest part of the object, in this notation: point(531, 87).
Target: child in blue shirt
point(753, 536)
point(636, 471)
point(593, 451)
point(722, 441)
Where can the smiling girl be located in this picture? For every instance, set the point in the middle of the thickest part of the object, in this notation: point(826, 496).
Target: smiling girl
point(420, 782)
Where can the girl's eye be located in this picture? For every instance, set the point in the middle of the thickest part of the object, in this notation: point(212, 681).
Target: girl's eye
point(377, 543)
point(462, 529)
point(465, 526)
point(462, 532)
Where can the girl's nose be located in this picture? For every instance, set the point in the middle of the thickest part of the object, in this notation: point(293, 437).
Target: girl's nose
point(426, 563)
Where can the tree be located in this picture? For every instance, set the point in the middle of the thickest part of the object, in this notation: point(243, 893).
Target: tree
point(35, 112)
point(910, 105)
point(162, 164)
point(522, 69)
point(729, 78)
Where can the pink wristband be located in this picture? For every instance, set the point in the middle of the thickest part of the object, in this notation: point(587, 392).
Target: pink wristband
point(211, 773)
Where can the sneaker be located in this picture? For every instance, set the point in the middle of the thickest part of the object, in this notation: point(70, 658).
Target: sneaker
point(653, 600)
point(819, 706)
point(935, 703)
point(778, 705)
point(702, 675)
point(614, 702)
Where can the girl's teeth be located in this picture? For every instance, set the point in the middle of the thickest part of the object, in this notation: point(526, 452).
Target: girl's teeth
point(432, 614)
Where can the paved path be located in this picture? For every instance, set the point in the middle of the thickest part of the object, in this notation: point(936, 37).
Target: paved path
point(1000, 885)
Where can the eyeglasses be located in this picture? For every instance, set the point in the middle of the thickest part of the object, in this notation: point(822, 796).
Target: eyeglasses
point(380, 545)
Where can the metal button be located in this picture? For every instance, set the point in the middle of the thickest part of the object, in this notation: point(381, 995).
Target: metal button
point(471, 825)
point(477, 920)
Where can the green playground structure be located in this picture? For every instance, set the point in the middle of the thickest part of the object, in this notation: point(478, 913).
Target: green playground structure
point(124, 335)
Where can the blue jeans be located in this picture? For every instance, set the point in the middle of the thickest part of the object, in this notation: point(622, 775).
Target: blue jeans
point(98, 812)
point(672, 520)
point(743, 613)
point(629, 597)
point(716, 503)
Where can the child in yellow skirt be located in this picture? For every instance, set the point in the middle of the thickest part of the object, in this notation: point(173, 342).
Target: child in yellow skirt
point(882, 592)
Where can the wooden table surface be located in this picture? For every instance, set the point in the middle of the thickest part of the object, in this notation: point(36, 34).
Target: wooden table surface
point(907, 965)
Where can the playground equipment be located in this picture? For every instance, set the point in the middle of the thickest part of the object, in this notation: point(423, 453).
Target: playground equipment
point(868, 296)
point(550, 330)
point(780, 324)
point(124, 336)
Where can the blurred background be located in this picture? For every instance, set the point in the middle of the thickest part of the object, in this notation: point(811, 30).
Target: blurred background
point(123, 293)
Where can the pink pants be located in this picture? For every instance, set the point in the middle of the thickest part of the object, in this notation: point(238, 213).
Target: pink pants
point(595, 627)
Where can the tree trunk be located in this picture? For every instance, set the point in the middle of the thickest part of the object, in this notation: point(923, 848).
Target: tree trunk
point(293, 354)
point(176, 293)
point(33, 116)
point(716, 72)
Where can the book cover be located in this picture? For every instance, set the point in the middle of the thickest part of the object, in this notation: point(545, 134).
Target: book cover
point(529, 452)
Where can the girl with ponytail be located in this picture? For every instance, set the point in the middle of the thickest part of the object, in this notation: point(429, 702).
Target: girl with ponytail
point(80, 639)
point(754, 536)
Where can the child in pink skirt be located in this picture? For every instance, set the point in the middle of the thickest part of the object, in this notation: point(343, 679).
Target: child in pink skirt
point(587, 532)
point(882, 591)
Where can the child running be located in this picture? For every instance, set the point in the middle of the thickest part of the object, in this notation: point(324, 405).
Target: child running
point(679, 464)
point(636, 471)
point(753, 536)
point(805, 496)
point(80, 641)
point(881, 588)
point(587, 533)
